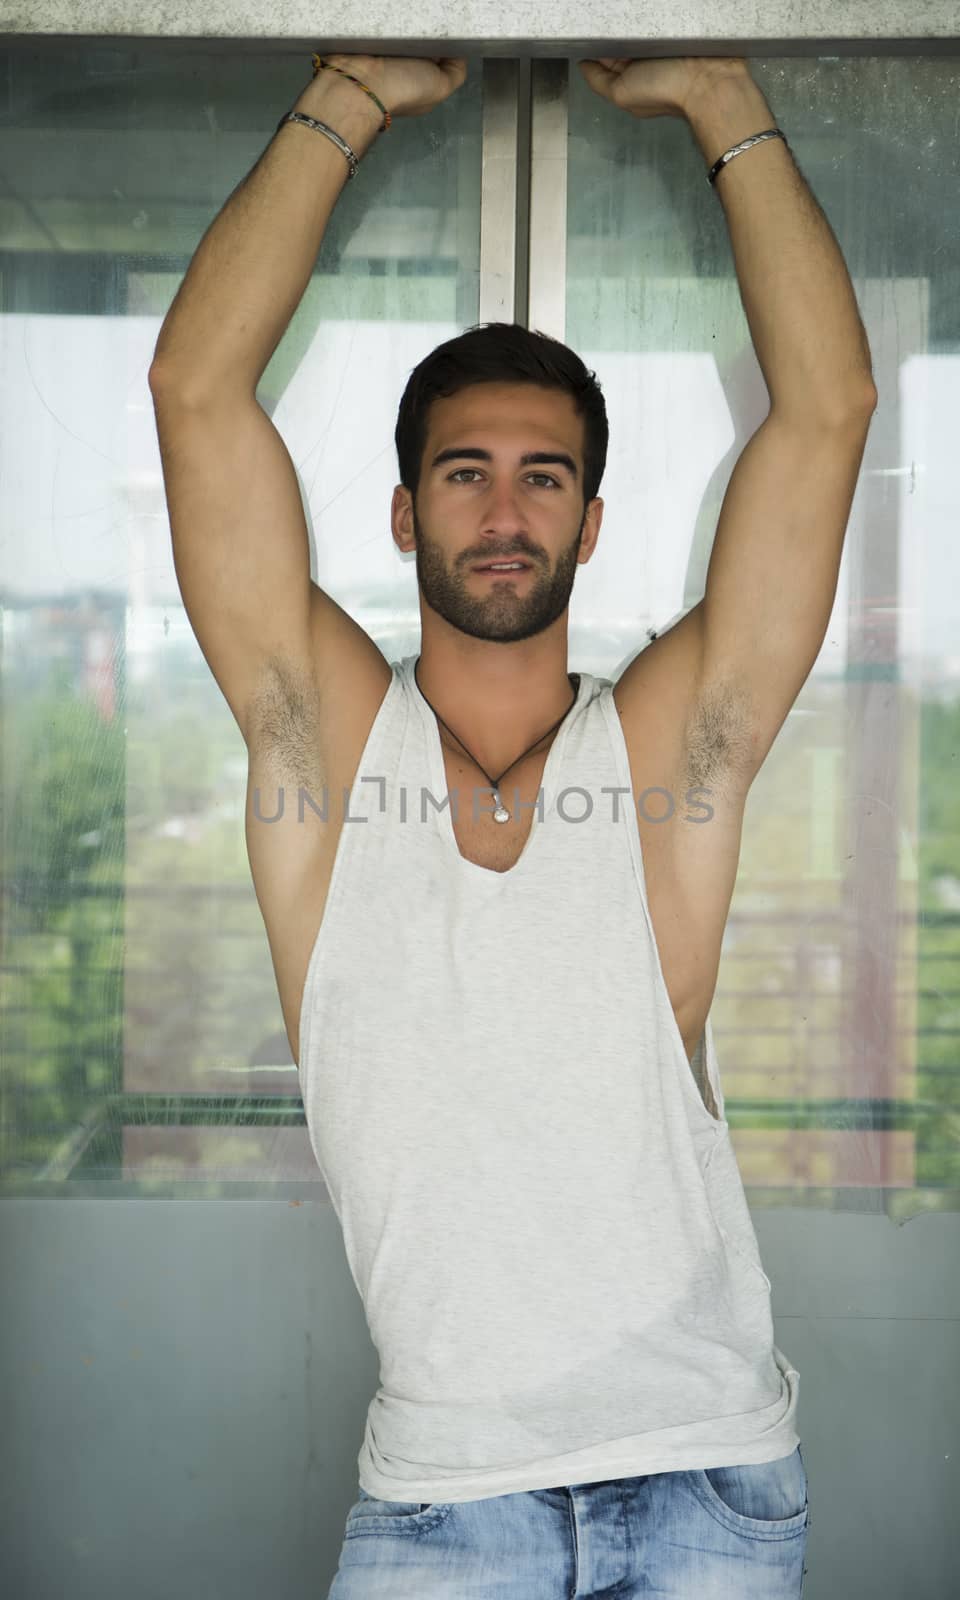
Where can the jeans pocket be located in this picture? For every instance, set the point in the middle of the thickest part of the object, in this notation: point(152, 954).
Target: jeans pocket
point(766, 1499)
point(369, 1515)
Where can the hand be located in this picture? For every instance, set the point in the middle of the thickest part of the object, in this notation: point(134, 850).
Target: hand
point(409, 86)
point(660, 86)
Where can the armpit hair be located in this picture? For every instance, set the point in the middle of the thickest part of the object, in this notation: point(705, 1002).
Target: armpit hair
point(286, 723)
point(719, 741)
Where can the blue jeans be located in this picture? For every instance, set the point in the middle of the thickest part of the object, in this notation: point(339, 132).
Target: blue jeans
point(726, 1533)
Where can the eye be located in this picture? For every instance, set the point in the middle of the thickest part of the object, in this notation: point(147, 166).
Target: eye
point(544, 475)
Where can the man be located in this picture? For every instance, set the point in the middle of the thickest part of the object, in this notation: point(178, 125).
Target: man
point(497, 986)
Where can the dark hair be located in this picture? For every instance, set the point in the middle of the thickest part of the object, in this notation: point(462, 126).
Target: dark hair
point(500, 352)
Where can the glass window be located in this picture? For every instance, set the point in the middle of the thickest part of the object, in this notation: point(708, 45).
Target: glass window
point(836, 1011)
point(141, 1032)
point(141, 1029)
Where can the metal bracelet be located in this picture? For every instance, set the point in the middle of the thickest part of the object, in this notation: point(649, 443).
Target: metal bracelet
point(321, 127)
point(738, 149)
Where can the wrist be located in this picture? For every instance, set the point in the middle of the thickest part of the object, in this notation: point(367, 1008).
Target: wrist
point(336, 101)
point(725, 106)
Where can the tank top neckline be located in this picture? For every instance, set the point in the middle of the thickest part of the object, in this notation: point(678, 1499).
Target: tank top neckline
point(438, 778)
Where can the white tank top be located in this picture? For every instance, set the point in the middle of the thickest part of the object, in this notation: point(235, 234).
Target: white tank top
point(546, 1226)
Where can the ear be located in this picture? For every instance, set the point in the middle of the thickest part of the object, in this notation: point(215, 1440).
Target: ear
point(401, 520)
point(591, 531)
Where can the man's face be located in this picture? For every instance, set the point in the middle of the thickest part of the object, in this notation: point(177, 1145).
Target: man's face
point(472, 511)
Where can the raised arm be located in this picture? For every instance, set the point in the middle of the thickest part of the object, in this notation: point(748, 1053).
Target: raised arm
point(752, 640)
point(239, 535)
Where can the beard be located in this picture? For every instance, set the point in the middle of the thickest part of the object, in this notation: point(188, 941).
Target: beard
point(505, 612)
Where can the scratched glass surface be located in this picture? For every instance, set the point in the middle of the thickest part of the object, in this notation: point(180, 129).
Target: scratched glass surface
point(142, 1038)
point(838, 998)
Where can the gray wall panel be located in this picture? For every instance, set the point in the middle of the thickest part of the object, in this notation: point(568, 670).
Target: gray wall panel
point(187, 1412)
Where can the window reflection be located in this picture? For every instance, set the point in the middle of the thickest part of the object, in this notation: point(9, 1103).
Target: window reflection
point(141, 1029)
point(835, 1010)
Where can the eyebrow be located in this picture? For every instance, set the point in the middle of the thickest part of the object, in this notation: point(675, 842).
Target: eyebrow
point(540, 458)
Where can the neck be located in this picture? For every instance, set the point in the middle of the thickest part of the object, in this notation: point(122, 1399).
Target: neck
point(496, 719)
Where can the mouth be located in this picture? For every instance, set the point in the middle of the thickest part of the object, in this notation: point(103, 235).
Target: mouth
point(504, 570)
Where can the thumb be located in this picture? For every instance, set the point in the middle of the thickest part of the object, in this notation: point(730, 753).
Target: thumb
point(597, 70)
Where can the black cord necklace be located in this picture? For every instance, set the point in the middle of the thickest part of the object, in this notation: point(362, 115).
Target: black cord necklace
point(502, 814)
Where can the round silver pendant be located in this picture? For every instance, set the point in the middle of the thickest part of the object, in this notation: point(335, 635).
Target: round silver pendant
point(501, 814)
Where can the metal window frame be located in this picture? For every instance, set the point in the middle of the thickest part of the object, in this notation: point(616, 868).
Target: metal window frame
point(523, 193)
point(522, 279)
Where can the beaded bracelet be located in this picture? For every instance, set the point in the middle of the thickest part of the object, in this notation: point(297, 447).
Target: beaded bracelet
point(319, 65)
